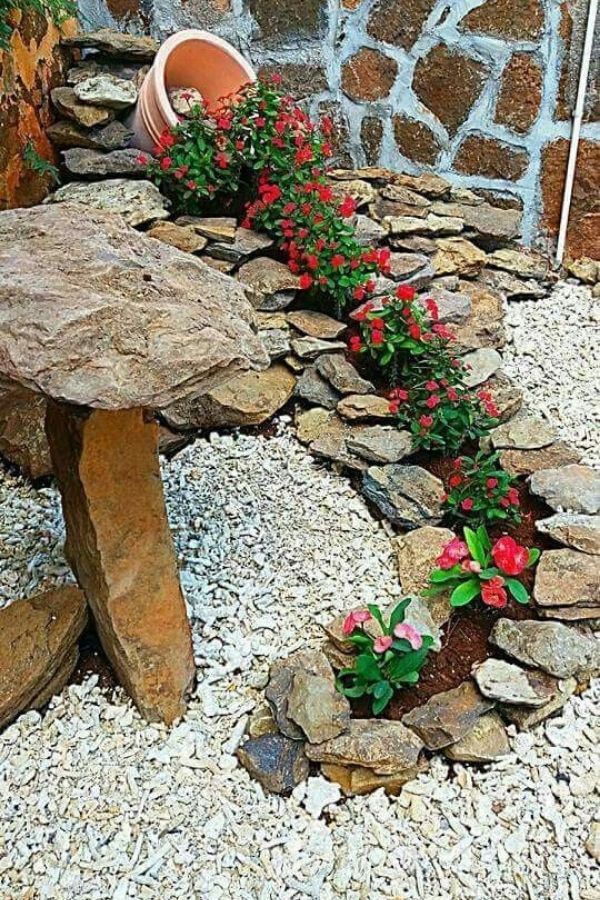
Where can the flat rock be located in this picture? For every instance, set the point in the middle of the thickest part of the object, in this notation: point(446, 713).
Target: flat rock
point(404, 265)
point(484, 743)
point(453, 307)
point(38, 648)
point(509, 683)
point(277, 762)
point(364, 406)
point(449, 716)
point(567, 578)
point(407, 495)
point(482, 364)
point(132, 70)
point(311, 423)
point(281, 676)
point(398, 194)
point(458, 256)
point(429, 224)
point(511, 287)
point(317, 708)
point(379, 443)
point(85, 163)
point(560, 650)
point(337, 658)
point(361, 191)
point(246, 243)
point(310, 348)
point(385, 747)
point(526, 717)
point(526, 462)
point(341, 375)
point(221, 229)
point(267, 277)
point(115, 44)
point(489, 222)
point(524, 431)
point(129, 322)
point(507, 397)
point(65, 134)
point(316, 324)
point(276, 342)
point(485, 325)
point(367, 231)
point(106, 90)
point(520, 262)
point(22, 432)
point(314, 389)
point(138, 201)
point(356, 780)
point(247, 398)
point(416, 553)
point(180, 236)
point(572, 488)
point(577, 531)
point(331, 444)
point(68, 104)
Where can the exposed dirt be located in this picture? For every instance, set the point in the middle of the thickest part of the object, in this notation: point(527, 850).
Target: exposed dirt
point(93, 661)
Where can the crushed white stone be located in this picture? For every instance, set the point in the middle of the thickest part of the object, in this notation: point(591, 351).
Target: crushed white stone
point(96, 804)
point(554, 355)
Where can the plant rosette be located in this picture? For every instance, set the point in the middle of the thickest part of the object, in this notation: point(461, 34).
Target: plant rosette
point(475, 568)
point(385, 663)
point(480, 491)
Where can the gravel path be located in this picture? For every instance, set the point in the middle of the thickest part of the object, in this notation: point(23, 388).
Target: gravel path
point(96, 804)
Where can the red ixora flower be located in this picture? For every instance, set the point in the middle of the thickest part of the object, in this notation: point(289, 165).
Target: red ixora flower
point(426, 421)
point(355, 343)
point(377, 336)
point(493, 592)
point(306, 281)
point(510, 556)
point(347, 207)
point(406, 292)
point(466, 504)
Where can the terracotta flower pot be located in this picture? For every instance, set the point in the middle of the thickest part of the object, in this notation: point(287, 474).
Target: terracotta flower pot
point(188, 59)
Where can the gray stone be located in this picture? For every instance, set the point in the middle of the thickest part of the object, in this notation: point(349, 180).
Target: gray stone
point(488, 222)
point(521, 262)
point(484, 743)
point(385, 747)
point(276, 342)
point(138, 201)
point(416, 553)
point(277, 762)
point(525, 462)
point(453, 307)
point(331, 444)
point(245, 244)
point(573, 530)
point(185, 101)
point(379, 443)
point(524, 717)
point(511, 287)
point(106, 90)
point(65, 134)
point(314, 389)
point(407, 495)
point(509, 683)
point(449, 716)
point(314, 704)
point(482, 364)
point(430, 224)
point(316, 324)
point(310, 348)
point(405, 265)
point(572, 488)
point(523, 432)
point(367, 231)
point(560, 650)
point(115, 44)
point(281, 676)
point(342, 375)
point(268, 277)
point(567, 578)
point(68, 104)
point(129, 322)
point(94, 164)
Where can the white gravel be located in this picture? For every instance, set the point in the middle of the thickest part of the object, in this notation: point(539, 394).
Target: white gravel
point(96, 804)
point(555, 357)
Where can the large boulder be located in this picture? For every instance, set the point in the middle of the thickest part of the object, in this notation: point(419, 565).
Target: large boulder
point(22, 433)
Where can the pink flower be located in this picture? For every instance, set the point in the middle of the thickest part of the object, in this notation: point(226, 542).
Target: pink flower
point(493, 592)
point(383, 643)
point(510, 556)
point(452, 553)
point(355, 619)
point(410, 634)
point(470, 565)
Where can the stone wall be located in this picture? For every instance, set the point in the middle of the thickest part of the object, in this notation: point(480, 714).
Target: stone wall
point(481, 92)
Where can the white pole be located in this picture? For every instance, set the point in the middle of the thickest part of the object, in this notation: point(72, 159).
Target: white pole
point(576, 131)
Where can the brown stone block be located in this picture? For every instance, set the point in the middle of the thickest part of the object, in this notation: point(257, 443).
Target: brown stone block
point(371, 133)
point(520, 93)
point(298, 79)
point(279, 20)
point(480, 155)
point(120, 548)
point(448, 83)
point(399, 22)
point(583, 237)
point(368, 75)
point(416, 141)
point(518, 20)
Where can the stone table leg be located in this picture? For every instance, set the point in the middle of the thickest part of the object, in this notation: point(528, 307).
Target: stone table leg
point(120, 548)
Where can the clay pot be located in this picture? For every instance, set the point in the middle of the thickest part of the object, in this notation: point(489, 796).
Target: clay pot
point(188, 59)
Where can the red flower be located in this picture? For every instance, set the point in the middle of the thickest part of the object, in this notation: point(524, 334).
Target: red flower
point(431, 385)
point(513, 496)
point(510, 556)
point(355, 344)
point(432, 309)
point(406, 292)
point(338, 260)
point(493, 592)
point(347, 208)
point(491, 483)
point(443, 332)
point(466, 504)
point(312, 262)
point(432, 401)
point(377, 336)
point(455, 480)
point(142, 159)
point(394, 407)
point(452, 553)
point(414, 331)
point(276, 78)
point(426, 421)
point(359, 293)
point(306, 281)
point(222, 160)
point(377, 323)
point(165, 163)
point(191, 185)
point(451, 394)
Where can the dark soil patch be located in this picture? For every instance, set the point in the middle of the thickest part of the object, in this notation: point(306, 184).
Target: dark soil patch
point(93, 661)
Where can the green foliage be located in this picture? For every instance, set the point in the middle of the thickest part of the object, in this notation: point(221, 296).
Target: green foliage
point(58, 11)
point(479, 491)
point(38, 164)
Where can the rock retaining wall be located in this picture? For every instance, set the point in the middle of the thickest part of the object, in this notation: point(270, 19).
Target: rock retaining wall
point(479, 91)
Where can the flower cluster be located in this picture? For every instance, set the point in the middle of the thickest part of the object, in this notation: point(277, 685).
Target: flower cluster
point(480, 491)
point(473, 567)
point(388, 659)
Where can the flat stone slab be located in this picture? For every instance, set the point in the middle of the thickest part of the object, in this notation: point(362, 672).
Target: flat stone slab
point(364, 406)
point(572, 488)
point(523, 432)
point(107, 90)
point(85, 163)
point(567, 578)
point(558, 649)
point(509, 683)
point(137, 200)
point(357, 780)
point(449, 716)
point(128, 321)
point(379, 443)
point(277, 762)
point(484, 743)
point(407, 495)
point(416, 553)
point(317, 707)
point(316, 324)
point(578, 531)
point(381, 745)
point(526, 717)
point(315, 390)
point(116, 44)
point(341, 374)
point(281, 678)
point(526, 462)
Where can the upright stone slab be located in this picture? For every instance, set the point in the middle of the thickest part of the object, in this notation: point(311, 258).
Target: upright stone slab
point(120, 548)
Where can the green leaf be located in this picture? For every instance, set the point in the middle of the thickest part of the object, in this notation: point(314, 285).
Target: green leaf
point(410, 677)
point(518, 590)
point(534, 555)
point(376, 613)
point(486, 574)
point(380, 689)
point(440, 575)
point(475, 548)
point(398, 612)
point(380, 703)
point(400, 665)
point(367, 668)
point(465, 592)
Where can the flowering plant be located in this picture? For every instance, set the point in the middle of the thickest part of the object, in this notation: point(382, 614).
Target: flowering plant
point(476, 568)
point(480, 491)
point(386, 662)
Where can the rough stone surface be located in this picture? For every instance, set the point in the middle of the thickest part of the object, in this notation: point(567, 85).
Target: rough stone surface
point(583, 236)
point(399, 22)
point(138, 201)
point(106, 90)
point(371, 132)
point(485, 325)
point(247, 398)
point(509, 683)
point(434, 82)
point(310, 348)
point(567, 578)
point(65, 134)
point(385, 747)
point(281, 677)
point(510, 19)
point(486, 742)
point(317, 708)
point(458, 256)
point(22, 436)
point(408, 495)
point(416, 553)
point(526, 717)
point(524, 431)
point(507, 397)
point(222, 229)
point(520, 262)
point(379, 443)
point(449, 716)
point(180, 236)
point(482, 364)
point(120, 549)
point(116, 44)
point(577, 531)
point(342, 375)
point(490, 223)
point(560, 650)
point(314, 389)
point(277, 762)
point(331, 444)
point(316, 324)
point(518, 103)
point(37, 640)
point(68, 104)
point(157, 325)
point(85, 163)
point(280, 23)
point(415, 140)
point(368, 75)
point(453, 307)
point(572, 488)
point(525, 462)
point(491, 158)
point(356, 780)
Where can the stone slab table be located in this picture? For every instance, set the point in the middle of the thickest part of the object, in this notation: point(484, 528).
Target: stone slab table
point(109, 325)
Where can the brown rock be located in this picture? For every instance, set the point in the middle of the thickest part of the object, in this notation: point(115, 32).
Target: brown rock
point(280, 22)
point(379, 443)
point(68, 104)
point(408, 496)
point(341, 374)
point(116, 44)
point(281, 677)
point(298, 79)
point(22, 434)
point(524, 431)
point(371, 133)
point(356, 780)
point(560, 650)
point(526, 462)
point(458, 256)
point(507, 397)
point(65, 134)
point(448, 83)
point(316, 324)
point(399, 22)
point(491, 158)
point(180, 236)
point(449, 716)
point(317, 708)
point(222, 229)
point(490, 223)
point(506, 682)
point(38, 648)
point(526, 264)
point(429, 185)
point(485, 326)
point(362, 192)
point(415, 140)
point(416, 553)
point(337, 658)
point(368, 75)
point(486, 742)
point(267, 277)
point(246, 243)
point(85, 163)
point(137, 200)
point(385, 747)
point(525, 718)
point(331, 444)
point(120, 548)
point(583, 236)
point(580, 532)
point(519, 20)
point(518, 103)
point(573, 487)
point(567, 578)
point(261, 722)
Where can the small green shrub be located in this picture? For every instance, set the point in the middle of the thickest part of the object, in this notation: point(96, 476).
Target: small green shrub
point(58, 11)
